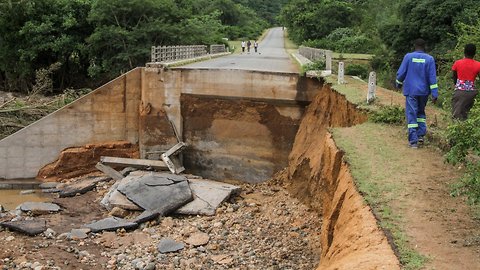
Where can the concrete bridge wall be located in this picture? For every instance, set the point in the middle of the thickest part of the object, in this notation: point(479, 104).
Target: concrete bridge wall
point(140, 107)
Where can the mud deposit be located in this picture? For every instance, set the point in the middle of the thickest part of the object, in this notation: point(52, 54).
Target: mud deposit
point(11, 198)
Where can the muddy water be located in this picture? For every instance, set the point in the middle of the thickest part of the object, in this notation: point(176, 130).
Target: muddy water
point(11, 198)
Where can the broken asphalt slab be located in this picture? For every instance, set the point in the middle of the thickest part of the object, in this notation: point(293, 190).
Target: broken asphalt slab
point(161, 193)
point(80, 187)
point(111, 224)
point(38, 207)
point(29, 227)
point(208, 195)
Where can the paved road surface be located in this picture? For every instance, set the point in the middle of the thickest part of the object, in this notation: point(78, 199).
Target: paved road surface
point(271, 56)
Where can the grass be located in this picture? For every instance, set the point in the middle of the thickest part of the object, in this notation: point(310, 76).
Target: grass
point(376, 185)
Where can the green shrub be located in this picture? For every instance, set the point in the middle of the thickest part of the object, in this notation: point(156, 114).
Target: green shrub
point(315, 65)
point(469, 185)
point(357, 70)
point(388, 115)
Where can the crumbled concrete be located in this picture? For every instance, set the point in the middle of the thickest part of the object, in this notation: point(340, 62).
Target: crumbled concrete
point(48, 185)
point(161, 193)
point(198, 239)
point(146, 216)
point(208, 195)
point(29, 227)
point(38, 207)
point(78, 234)
point(26, 192)
point(81, 186)
point(111, 224)
point(167, 245)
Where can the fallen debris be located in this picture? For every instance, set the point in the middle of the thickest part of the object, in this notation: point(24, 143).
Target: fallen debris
point(39, 207)
point(167, 245)
point(80, 187)
point(111, 224)
point(135, 163)
point(48, 185)
point(29, 227)
point(198, 239)
point(172, 160)
point(161, 193)
point(208, 195)
point(78, 234)
point(26, 192)
point(109, 171)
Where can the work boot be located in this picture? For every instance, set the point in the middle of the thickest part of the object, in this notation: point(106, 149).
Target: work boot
point(413, 145)
point(421, 140)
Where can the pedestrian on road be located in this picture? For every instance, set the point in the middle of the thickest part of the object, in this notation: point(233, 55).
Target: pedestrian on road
point(465, 71)
point(243, 46)
point(255, 45)
point(417, 74)
point(249, 44)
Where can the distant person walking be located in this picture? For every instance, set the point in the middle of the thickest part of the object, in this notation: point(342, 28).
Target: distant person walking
point(417, 74)
point(249, 44)
point(243, 46)
point(465, 71)
point(255, 45)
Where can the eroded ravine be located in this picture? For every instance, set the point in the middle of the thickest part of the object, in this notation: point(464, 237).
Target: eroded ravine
point(318, 175)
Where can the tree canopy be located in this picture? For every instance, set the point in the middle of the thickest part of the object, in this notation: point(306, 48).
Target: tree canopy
point(86, 42)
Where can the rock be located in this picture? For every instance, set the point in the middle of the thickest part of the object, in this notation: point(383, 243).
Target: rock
point(167, 245)
point(118, 212)
point(208, 195)
point(29, 227)
point(39, 208)
point(114, 198)
point(2, 209)
point(78, 234)
point(49, 233)
point(9, 238)
point(161, 193)
point(222, 259)
point(51, 190)
point(198, 239)
point(111, 224)
point(25, 192)
point(146, 216)
point(48, 185)
point(80, 187)
point(126, 171)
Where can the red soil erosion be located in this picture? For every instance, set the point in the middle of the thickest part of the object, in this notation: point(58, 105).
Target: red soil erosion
point(318, 175)
point(76, 161)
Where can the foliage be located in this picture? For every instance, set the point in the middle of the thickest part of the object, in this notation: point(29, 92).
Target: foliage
point(357, 70)
point(312, 20)
point(469, 185)
point(388, 115)
point(266, 9)
point(315, 65)
point(102, 38)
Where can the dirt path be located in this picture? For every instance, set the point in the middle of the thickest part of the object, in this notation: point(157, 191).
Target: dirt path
point(415, 185)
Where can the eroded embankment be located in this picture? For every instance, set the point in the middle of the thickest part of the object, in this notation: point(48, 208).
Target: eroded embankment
point(318, 175)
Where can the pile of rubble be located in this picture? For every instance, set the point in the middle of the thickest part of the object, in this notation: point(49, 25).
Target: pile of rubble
point(150, 193)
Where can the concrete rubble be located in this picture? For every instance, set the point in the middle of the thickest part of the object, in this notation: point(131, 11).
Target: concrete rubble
point(29, 227)
point(111, 224)
point(167, 245)
point(39, 208)
point(80, 187)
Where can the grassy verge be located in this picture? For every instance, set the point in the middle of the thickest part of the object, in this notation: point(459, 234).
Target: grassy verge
point(376, 185)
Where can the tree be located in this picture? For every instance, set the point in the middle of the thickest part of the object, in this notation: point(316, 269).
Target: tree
point(311, 20)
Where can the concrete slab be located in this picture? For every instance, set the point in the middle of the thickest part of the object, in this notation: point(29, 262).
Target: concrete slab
point(29, 227)
point(113, 198)
point(167, 245)
point(146, 216)
point(158, 198)
point(48, 185)
point(114, 174)
point(111, 224)
point(208, 195)
point(80, 187)
point(39, 207)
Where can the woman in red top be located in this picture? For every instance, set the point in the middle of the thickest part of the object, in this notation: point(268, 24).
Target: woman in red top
point(465, 71)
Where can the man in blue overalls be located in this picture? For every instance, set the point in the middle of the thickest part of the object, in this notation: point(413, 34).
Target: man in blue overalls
point(417, 74)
